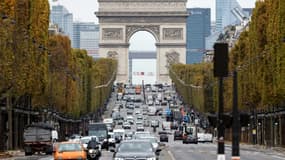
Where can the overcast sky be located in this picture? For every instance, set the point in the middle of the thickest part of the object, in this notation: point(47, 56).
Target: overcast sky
point(83, 10)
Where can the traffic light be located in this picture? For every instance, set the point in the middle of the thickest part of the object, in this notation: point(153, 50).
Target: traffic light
point(221, 59)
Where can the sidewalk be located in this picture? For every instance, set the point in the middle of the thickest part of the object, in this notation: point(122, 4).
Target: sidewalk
point(11, 153)
point(260, 148)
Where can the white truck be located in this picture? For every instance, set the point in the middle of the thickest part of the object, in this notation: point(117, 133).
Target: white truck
point(39, 137)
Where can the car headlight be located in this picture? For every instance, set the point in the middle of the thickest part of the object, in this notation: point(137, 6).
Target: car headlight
point(105, 140)
point(119, 159)
point(151, 158)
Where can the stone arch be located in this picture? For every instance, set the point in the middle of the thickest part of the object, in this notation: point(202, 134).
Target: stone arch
point(165, 20)
point(152, 29)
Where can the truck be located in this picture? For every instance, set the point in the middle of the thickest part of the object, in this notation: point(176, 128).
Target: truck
point(39, 137)
point(99, 130)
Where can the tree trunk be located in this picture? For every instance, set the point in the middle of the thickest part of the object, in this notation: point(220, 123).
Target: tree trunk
point(10, 122)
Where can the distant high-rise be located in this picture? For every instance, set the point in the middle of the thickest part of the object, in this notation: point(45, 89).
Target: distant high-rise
point(60, 16)
point(228, 12)
point(86, 36)
point(198, 28)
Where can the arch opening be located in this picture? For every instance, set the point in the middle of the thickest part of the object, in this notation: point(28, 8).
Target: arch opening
point(142, 58)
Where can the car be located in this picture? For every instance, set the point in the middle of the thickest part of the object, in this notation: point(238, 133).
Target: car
point(154, 123)
point(84, 140)
point(135, 149)
point(139, 123)
point(139, 134)
point(205, 137)
point(126, 125)
point(130, 119)
point(120, 122)
point(139, 117)
point(69, 150)
point(153, 141)
point(189, 139)
point(129, 112)
point(163, 136)
point(178, 135)
point(140, 128)
point(129, 135)
point(146, 123)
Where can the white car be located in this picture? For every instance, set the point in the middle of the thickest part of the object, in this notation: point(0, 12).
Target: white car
point(84, 141)
point(126, 125)
point(205, 137)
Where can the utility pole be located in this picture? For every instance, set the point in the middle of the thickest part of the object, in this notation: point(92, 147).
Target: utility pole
point(143, 92)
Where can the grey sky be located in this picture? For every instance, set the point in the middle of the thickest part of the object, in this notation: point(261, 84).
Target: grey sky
point(83, 10)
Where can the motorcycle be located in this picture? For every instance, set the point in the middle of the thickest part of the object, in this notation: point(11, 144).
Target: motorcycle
point(94, 153)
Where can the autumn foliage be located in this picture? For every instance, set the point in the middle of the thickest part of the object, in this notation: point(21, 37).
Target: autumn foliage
point(43, 71)
point(259, 58)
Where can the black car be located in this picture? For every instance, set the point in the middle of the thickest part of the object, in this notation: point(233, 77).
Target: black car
point(135, 149)
point(178, 135)
point(163, 138)
point(190, 139)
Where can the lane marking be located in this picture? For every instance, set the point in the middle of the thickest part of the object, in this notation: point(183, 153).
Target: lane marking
point(171, 155)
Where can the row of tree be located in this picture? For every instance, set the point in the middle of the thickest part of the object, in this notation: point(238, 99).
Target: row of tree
point(39, 70)
point(259, 58)
point(194, 82)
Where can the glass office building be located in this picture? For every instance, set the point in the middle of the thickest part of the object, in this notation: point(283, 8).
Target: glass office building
point(228, 12)
point(86, 36)
point(60, 16)
point(198, 28)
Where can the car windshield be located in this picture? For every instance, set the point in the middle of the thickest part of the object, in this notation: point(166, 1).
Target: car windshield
point(68, 147)
point(151, 139)
point(135, 147)
point(84, 140)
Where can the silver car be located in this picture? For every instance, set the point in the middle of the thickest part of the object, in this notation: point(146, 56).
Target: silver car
point(135, 149)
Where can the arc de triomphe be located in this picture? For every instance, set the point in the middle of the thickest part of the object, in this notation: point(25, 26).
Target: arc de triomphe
point(164, 19)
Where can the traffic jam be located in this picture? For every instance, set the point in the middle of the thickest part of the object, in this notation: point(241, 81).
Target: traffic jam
point(140, 122)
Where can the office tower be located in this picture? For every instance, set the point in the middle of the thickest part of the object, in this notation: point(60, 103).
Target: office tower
point(198, 28)
point(60, 16)
point(86, 36)
point(228, 12)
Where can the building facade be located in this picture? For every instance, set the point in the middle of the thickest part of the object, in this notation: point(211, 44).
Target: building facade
point(60, 16)
point(198, 28)
point(228, 12)
point(86, 36)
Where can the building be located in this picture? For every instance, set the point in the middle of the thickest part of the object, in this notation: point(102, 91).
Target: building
point(60, 16)
point(247, 11)
point(228, 12)
point(198, 28)
point(86, 36)
point(53, 29)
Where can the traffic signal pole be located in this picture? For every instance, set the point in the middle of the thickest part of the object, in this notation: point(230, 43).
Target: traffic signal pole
point(221, 70)
point(221, 128)
point(236, 120)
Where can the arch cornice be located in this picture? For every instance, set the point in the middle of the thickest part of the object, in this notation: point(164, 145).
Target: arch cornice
point(153, 29)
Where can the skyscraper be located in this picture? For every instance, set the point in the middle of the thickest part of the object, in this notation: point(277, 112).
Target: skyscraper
point(228, 12)
point(86, 36)
point(59, 15)
point(198, 28)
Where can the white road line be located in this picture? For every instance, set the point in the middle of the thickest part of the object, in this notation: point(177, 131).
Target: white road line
point(171, 155)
